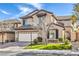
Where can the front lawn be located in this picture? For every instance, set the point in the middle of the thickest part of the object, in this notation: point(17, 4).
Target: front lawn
point(56, 46)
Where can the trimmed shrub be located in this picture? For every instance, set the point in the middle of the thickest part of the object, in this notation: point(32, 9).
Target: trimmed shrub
point(66, 41)
point(61, 39)
point(35, 41)
point(39, 39)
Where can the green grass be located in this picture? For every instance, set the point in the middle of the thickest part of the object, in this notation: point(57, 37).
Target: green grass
point(50, 47)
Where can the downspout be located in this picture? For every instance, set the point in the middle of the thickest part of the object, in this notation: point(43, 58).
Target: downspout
point(2, 38)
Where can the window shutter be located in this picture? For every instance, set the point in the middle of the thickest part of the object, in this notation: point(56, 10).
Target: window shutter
point(56, 34)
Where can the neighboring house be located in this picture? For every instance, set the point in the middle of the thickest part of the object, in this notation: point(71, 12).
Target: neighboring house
point(69, 33)
point(7, 32)
point(67, 24)
point(39, 23)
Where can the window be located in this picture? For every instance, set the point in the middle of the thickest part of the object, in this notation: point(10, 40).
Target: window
point(41, 19)
point(25, 22)
point(53, 34)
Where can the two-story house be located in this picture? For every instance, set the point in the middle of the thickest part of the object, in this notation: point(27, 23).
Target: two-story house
point(39, 23)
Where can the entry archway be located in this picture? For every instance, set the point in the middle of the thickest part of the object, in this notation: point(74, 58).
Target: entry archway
point(67, 35)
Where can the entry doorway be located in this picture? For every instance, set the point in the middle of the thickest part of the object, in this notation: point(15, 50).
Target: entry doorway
point(52, 34)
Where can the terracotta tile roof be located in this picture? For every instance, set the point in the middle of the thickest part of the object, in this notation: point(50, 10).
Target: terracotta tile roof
point(10, 21)
point(63, 18)
point(8, 31)
point(27, 27)
point(60, 25)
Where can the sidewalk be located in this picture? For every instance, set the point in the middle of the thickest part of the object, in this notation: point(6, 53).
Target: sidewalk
point(19, 51)
point(48, 53)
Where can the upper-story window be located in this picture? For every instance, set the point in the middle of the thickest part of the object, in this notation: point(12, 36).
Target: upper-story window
point(41, 18)
point(27, 21)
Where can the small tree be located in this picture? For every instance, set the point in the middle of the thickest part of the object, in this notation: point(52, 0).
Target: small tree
point(75, 17)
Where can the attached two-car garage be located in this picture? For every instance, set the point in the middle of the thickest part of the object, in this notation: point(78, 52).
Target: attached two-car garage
point(27, 35)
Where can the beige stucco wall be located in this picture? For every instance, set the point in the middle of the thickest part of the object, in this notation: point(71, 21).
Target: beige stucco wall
point(35, 20)
point(49, 19)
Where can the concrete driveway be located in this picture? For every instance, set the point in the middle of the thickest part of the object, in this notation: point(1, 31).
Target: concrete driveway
point(12, 48)
point(10, 44)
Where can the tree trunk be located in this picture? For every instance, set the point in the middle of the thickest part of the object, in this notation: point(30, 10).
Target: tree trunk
point(44, 35)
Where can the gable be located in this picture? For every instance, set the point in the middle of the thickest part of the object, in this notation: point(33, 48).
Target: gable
point(56, 26)
point(36, 12)
point(49, 18)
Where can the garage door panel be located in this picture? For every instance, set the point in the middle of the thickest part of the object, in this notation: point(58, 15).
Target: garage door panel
point(24, 37)
point(27, 36)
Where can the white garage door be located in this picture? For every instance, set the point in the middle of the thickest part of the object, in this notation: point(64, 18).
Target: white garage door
point(27, 36)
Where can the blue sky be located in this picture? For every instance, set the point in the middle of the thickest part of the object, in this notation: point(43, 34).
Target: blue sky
point(15, 10)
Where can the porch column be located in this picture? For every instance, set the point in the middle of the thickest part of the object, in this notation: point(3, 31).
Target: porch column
point(63, 35)
point(16, 36)
point(31, 36)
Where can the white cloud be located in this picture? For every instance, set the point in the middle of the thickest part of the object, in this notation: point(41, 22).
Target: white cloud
point(4, 12)
point(24, 10)
point(37, 5)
